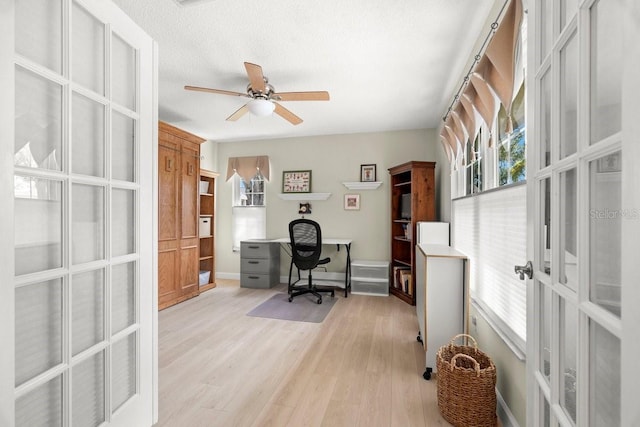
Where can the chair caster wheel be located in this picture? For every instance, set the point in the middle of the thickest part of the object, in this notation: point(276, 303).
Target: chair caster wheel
point(319, 301)
point(427, 374)
point(290, 299)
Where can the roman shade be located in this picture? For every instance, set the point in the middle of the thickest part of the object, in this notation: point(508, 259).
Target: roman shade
point(493, 79)
point(248, 167)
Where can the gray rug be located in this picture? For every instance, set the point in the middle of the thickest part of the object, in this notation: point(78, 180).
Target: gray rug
point(303, 308)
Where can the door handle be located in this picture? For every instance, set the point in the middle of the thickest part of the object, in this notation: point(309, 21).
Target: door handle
point(524, 269)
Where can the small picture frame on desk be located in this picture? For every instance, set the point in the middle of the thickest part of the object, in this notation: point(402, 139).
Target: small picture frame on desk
point(367, 173)
point(351, 202)
point(296, 182)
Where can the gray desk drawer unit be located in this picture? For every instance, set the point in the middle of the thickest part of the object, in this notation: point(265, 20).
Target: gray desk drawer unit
point(259, 264)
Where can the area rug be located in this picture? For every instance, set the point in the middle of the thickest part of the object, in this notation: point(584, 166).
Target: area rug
point(303, 308)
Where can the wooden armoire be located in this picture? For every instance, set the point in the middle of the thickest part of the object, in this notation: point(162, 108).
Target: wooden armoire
point(178, 215)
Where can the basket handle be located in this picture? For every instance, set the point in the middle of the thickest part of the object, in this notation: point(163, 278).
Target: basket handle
point(475, 344)
point(475, 362)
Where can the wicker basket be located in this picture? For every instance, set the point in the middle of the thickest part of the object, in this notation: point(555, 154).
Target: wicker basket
point(466, 385)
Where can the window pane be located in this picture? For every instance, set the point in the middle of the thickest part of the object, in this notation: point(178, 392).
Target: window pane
point(568, 344)
point(123, 233)
point(88, 407)
point(41, 407)
point(39, 32)
point(606, 69)
point(546, 314)
point(545, 119)
point(88, 50)
point(545, 238)
point(38, 329)
point(568, 239)
point(123, 84)
point(37, 224)
point(568, 97)
point(605, 230)
point(88, 137)
point(123, 148)
point(87, 294)
point(568, 9)
point(87, 223)
point(546, 24)
point(604, 374)
point(38, 138)
point(124, 370)
point(123, 296)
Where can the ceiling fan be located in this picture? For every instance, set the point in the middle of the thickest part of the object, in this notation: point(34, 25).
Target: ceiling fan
point(263, 96)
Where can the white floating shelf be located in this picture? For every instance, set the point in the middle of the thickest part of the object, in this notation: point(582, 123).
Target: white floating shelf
point(356, 185)
point(304, 196)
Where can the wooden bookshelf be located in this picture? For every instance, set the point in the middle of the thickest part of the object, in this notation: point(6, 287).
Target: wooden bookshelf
point(417, 179)
point(207, 240)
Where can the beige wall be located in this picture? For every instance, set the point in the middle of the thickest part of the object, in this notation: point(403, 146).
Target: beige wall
point(332, 159)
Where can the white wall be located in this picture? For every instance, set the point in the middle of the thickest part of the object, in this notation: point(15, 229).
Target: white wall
point(332, 159)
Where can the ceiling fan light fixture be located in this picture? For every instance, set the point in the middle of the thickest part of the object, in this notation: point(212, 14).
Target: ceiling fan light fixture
point(261, 107)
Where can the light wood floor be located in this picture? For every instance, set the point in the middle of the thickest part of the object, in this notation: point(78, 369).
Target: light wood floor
point(361, 367)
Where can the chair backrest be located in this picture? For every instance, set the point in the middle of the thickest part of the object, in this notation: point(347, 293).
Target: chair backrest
point(306, 243)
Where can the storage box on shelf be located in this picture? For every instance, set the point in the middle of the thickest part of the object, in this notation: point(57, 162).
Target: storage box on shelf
point(370, 277)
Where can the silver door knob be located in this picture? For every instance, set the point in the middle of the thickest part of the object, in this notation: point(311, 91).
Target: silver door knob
point(524, 269)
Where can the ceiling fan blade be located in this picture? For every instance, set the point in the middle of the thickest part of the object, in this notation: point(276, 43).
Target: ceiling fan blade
point(302, 96)
point(238, 113)
point(256, 78)
point(287, 115)
point(220, 91)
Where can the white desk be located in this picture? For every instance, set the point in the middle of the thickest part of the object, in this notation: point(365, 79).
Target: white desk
point(338, 242)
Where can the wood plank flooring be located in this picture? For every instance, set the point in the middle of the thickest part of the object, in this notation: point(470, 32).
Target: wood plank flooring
point(361, 367)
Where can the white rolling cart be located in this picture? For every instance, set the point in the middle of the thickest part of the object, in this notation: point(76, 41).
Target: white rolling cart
point(442, 290)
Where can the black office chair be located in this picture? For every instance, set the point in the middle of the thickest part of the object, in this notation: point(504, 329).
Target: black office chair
point(306, 245)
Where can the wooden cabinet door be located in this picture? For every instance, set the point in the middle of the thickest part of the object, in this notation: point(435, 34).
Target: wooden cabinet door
point(189, 235)
point(168, 222)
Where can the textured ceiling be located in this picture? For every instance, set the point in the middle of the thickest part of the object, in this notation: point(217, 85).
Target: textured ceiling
point(388, 65)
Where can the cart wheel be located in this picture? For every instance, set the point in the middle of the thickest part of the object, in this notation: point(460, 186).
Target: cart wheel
point(333, 294)
point(427, 374)
point(419, 338)
point(319, 301)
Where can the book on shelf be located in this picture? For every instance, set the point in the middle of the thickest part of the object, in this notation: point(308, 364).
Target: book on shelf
point(399, 273)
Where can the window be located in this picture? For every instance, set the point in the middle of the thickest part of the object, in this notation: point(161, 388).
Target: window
point(475, 165)
point(511, 146)
point(248, 209)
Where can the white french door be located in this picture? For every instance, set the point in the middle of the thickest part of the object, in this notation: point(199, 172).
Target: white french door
point(584, 236)
point(78, 260)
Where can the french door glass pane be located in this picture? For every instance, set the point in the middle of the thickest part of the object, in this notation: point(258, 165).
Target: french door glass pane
point(123, 147)
point(568, 351)
point(39, 32)
point(123, 296)
point(604, 374)
point(89, 391)
point(123, 224)
point(41, 407)
point(123, 86)
point(124, 370)
point(546, 27)
point(606, 69)
point(546, 411)
point(88, 50)
point(545, 119)
point(568, 219)
point(88, 136)
point(88, 223)
point(546, 316)
point(87, 319)
point(567, 11)
point(569, 97)
point(545, 214)
point(605, 230)
point(38, 130)
point(38, 329)
point(37, 224)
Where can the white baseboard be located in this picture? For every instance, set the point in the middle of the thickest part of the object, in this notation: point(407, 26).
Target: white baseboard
point(504, 413)
point(231, 276)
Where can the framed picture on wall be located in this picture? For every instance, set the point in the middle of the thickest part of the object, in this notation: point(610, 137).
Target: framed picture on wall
point(367, 173)
point(296, 181)
point(352, 202)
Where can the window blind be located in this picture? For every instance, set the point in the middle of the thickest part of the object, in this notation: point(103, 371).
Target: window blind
point(491, 229)
point(249, 222)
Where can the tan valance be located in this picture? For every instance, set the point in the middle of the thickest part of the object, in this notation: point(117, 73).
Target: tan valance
point(445, 147)
point(248, 167)
point(452, 139)
point(502, 54)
